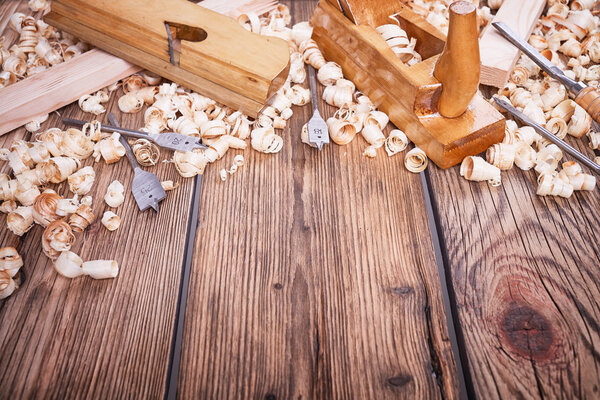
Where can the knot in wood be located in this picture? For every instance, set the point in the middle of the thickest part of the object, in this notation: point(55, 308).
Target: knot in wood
point(527, 332)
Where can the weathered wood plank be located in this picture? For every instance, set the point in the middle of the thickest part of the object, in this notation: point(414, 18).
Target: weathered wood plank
point(314, 276)
point(525, 275)
point(82, 338)
point(98, 339)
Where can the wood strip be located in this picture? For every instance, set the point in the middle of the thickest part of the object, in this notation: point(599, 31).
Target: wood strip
point(59, 86)
point(525, 275)
point(314, 279)
point(499, 56)
point(82, 338)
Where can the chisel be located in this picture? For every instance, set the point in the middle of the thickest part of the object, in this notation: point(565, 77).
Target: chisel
point(584, 95)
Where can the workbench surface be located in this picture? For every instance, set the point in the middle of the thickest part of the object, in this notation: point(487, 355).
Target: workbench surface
point(314, 275)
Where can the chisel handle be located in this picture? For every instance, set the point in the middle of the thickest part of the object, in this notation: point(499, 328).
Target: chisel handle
point(589, 99)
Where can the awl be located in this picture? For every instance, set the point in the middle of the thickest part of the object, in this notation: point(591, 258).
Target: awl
point(584, 95)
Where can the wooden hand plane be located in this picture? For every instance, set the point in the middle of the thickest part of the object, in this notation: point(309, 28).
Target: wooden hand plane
point(181, 41)
point(435, 102)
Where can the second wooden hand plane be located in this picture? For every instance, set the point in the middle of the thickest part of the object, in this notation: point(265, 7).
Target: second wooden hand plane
point(434, 101)
point(181, 41)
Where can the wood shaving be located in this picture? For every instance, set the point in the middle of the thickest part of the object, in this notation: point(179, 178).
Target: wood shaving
point(81, 218)
point(115, 194)
point(70, 265)
point(146, 153)
point(20, 221)
point(92, 103)
point(477, 169)
point(81, 182)
point(10, 264)
point(401, 45)
point(44, 207)
point(111, 221)
point(109, 149)
point(395, 142)
point(266, 141)
point(169, 185)
point(415, 160)
point(57, 237)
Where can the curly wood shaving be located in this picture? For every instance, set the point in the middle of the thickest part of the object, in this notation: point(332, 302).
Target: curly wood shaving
point(395, 142)
point(111, 221)
point(36, 124)
point(8, 206)
point(169, 185)
point(525, 156)
point(477, 169)
point(266, 141)
point(20, 220)
point(81, 181)
point(115, 194)
point(109, 149)
point(10, 264)
point(130, 103)
point(400, 44)
point(341, 131)
point(501, 155)
point(66, 207)
point(70, 265)
point(57, 237)
point(81, 218)
point(311, 53)
point(44, 207)
point(415, 160)
point(93, 103)
point(329, 73)
point(146, 153)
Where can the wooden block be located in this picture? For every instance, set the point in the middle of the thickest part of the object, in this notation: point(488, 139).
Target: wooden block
point(213, 53)
point(59, 86)
point(498, 55)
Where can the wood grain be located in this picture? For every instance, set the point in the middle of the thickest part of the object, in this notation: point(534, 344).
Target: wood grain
point(525, 275)
point(314, 279)
point(58, 86)
point(499, 56)
point(82, 338)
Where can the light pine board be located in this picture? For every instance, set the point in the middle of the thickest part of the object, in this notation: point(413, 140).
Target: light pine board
point(499, 56)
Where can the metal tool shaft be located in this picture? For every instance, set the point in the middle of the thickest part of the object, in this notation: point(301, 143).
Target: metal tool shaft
point(130, 156)
point(313, 88)
point(548, 135)
point(573, 86)
point(108, 128)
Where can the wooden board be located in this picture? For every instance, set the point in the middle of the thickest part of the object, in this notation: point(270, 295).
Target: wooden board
point(58, 86)
point(82, 338)
point(524, 271)
point(499, 56)
point(315, 279)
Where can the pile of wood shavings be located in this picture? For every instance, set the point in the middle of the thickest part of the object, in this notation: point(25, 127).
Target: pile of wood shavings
point(569, 36)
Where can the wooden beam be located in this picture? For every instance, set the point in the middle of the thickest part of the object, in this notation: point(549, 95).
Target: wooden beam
point(498, 56)
point(59, 86)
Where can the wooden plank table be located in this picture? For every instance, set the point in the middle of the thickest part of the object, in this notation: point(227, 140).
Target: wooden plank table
point(314, 275)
